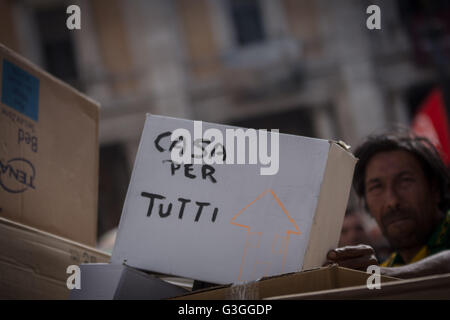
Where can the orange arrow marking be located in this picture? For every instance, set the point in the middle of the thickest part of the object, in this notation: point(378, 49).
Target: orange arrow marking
point(289, 232)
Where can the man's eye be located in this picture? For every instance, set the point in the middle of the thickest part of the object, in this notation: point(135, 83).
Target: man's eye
point(374, 187)
point(407, 179)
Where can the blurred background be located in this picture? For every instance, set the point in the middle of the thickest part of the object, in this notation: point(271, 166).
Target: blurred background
point(307, 67)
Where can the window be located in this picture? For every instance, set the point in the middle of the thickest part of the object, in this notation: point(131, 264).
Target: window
point(114, 176)
point(247, 21)
point(56, 42)
point(297, 121)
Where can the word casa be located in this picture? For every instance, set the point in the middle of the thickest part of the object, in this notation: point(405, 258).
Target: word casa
point(164, 213)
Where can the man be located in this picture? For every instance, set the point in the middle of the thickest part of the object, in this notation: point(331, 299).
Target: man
point(405, 187)
point(353, 231)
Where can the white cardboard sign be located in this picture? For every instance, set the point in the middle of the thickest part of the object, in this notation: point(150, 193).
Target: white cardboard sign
point(231, 224)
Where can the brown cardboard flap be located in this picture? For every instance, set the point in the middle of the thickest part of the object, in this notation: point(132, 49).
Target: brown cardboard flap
point(33, 263)
point(91, 112)
point(48, 152)
point(330, 210)
point(431, 287)
point(17, 282)
point(319, 279)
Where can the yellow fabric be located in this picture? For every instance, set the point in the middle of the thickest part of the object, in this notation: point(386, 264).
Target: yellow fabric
point(423, 253)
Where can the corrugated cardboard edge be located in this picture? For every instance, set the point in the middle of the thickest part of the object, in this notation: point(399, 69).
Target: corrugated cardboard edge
point(342, 272)
point(331, 206)
point(28, 261)
point(255, 290)
point(91, 112)
point(53, 237)
point(391, 288)
point(38, 286)
point(251, 290)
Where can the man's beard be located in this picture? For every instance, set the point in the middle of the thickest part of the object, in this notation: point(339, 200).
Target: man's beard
point(414, 237)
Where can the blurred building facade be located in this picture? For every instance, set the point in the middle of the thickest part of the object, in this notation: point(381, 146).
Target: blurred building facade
point(308, 67)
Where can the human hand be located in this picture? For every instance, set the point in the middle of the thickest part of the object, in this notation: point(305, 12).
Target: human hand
point(357, 257)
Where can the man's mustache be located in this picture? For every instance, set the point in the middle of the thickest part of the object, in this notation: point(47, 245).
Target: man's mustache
point(395, 214)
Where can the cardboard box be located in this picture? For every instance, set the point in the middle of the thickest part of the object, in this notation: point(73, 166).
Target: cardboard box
point(33, 263)
point(423, 288)
point(102, 281)
point(48, 152)
point(308, 281)
point(230, 223)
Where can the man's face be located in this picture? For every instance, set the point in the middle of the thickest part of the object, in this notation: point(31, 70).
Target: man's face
point(353, 232)
point(400, 198)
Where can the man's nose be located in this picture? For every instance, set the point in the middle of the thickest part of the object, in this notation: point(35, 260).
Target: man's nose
point(392, 200)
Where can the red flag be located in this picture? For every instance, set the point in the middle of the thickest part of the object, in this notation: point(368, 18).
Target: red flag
point(431, 121)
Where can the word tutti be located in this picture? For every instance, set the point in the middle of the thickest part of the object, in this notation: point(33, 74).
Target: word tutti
point(165, 213)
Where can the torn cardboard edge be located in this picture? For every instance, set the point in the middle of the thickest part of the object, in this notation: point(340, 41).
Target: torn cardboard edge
point(33, 263)
point(41, 253)
point(91, 112)
point(29, 229)
point(17, 282)
point(29, 269)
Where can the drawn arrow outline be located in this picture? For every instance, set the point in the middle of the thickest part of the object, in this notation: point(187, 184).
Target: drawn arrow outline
point(289, 232)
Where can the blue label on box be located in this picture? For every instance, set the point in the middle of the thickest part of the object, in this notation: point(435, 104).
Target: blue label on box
point(20, 90)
